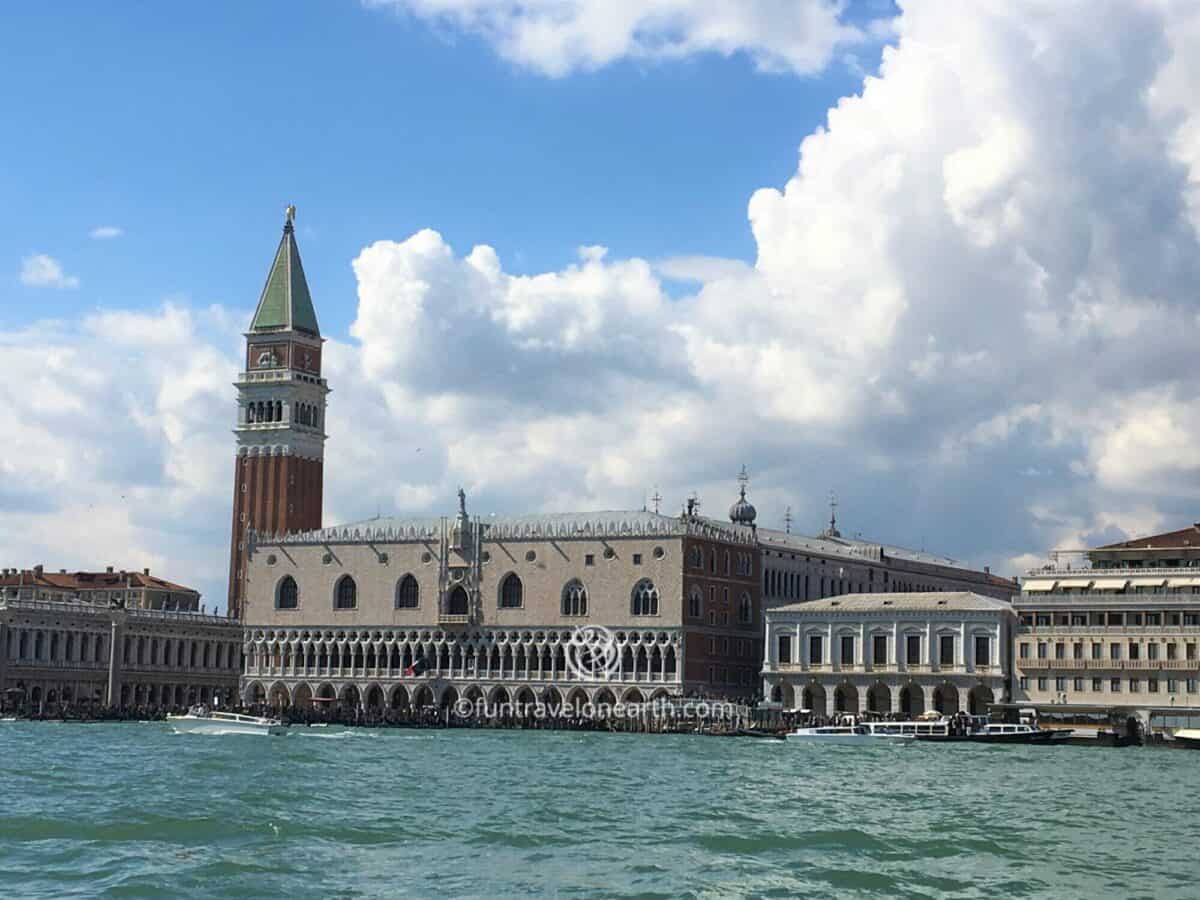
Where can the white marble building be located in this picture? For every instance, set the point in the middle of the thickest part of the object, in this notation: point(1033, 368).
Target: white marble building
point(889, 653)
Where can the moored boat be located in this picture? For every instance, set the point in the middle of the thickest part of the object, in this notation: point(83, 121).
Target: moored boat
point(1186, 738)
point(200, 720)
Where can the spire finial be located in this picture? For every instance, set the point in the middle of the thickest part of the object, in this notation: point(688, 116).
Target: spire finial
point(656, 500)
point(787, 521)
point(290, 213)
point(743, 479)
point(462, 502)
point(832, 530)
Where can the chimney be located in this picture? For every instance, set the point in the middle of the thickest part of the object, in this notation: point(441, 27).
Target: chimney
point(987, 570)
point(146, 571)
point(37, 570)
point(109, 570)
point(62, 571)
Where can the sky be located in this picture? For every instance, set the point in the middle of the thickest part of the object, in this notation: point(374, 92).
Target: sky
point(938, 259)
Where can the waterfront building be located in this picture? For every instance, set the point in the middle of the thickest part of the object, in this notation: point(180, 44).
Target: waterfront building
point(1116, 627)
point(889, 653)
point(279, 471)
point(57, 643)
point(407, 612)
point(799, 567)
point(132, 590)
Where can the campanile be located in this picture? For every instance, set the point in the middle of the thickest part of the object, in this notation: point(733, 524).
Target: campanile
point(280, 429)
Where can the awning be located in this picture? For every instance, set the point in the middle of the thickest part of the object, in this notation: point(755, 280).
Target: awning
point(1183, 582)
point(1147, 582)
point(1074, 582)
point(1037, 586)
point(1109, 584)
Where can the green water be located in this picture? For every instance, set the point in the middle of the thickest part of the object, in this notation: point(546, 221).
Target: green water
point(132, 810)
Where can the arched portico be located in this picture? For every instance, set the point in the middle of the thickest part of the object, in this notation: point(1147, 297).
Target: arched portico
point(399, 697)
point(302, 696)
point(845, 698)
point(912, 700)
point(814, 699)
point(279, 697)
point(879, 698)
point(945, 699)
point(980, 699)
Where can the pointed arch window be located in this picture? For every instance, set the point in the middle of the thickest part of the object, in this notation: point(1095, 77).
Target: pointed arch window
point(645, 598)
point(746, 610)
point(287, 595)
point(696, 602)
point(696, 557)
point(574, 599)
point(345, 595)
point(512, 592)
point(408, 593)
point(458, 602)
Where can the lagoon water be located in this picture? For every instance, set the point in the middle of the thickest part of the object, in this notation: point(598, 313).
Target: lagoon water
point(133, 810)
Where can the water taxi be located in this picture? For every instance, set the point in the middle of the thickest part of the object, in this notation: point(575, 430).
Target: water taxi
point(1186, 738)
point(849, 730)
point(201, 720)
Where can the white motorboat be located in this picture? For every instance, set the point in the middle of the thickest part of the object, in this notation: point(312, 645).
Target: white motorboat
point(849, 730)
point(200, 720)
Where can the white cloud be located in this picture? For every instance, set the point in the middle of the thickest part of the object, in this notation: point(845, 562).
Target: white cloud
point(556, 37)
point(41, 270)
point(985, 266)
point(106, 232)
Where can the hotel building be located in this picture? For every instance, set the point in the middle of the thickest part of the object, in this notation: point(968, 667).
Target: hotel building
point(1113, 627)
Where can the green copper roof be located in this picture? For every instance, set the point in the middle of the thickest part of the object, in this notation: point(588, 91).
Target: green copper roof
point(285, 302)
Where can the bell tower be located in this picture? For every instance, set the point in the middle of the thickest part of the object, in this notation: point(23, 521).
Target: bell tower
point(280, 431)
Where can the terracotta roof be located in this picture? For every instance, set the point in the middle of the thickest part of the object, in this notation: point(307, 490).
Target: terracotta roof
point(1184, 537)
point(85, 581)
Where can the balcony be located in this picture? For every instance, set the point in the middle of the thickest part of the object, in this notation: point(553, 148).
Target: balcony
point(1109, 665)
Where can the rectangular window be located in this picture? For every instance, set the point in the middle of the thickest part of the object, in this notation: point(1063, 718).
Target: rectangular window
point(1060, 684)
point(785, 648)
point(1098, 685)
point(1114, 651)
point(1042, 684)
point(814, 650)
point(946, 650)
point(1190, 650)
point(1079, 685)
point(1153, 618)
point(1043, 619)
point(1135, 685)
point(1077, 650)
point(912, 649)
point(1024, 683)
point(637, 559)
point(847, 650)
point(879, 649)
point(1172, 685)
point(1191, 685)
point(1060, 650)
point(1115, 685)
point(589, 559)
point(1133, 650)
point(1097, 651)
point(1041, 650)
point(1151, 651)
point(983, 647)
point(1024, 651)
point(1152, 685)
point(1172, 650)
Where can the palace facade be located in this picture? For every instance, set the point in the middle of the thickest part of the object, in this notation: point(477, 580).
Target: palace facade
point(421, 612)
point(889, 653)
point(1113, 627)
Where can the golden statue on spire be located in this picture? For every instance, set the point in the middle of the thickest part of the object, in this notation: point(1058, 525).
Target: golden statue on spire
point(291, 213)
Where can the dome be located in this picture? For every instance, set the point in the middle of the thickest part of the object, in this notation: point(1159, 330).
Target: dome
point(742, 512)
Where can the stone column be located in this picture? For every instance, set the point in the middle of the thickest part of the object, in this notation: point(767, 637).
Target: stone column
point(115, 642)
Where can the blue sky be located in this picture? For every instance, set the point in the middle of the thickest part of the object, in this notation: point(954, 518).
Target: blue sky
point(939, 258)
point(190, 127)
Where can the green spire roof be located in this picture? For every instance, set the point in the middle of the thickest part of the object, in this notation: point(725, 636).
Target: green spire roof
point(285, 302)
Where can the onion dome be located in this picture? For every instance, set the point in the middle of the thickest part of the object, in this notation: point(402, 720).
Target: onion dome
point(742, 512)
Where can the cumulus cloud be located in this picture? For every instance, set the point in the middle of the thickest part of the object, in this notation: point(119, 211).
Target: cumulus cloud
point(970, 313)
point(42, 270)
point(556, 37)
point(106, 232)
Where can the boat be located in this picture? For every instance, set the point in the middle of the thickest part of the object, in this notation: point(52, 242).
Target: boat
point(201, 720)
point(849, 730)
point(977, 729)
point(1186, 738)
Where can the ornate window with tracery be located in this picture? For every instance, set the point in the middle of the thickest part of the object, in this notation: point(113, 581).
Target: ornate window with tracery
point(574, 599)
point(288, 595)
point(511, 592)
point(645, 598)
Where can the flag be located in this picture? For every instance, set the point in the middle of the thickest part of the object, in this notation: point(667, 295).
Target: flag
point(418, 667)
